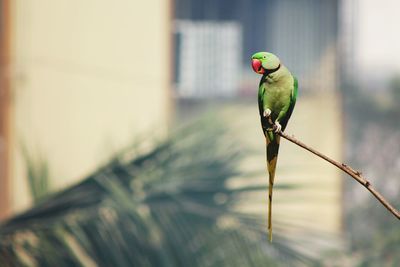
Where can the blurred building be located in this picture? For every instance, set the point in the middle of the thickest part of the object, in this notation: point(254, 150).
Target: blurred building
point(80, 80)
point(202, 50)
point(305, 35)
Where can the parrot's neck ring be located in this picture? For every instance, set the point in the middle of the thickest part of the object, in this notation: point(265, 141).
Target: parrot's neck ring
point(268, 72)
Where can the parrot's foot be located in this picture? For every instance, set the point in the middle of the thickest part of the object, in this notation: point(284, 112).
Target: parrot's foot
point(267, 113)
point(277, 127)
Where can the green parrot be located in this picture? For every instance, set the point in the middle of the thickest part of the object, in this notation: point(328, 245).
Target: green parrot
point(277, 93)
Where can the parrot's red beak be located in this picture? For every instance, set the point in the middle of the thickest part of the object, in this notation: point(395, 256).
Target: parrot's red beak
point(257, 66)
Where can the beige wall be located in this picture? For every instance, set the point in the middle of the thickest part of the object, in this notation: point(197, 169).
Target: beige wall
point(88, 77)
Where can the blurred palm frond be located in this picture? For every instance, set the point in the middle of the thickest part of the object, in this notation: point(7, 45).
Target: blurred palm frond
point(37, 175)
point(169, 206)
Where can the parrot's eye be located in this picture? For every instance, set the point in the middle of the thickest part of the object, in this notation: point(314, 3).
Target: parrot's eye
point(264, 57)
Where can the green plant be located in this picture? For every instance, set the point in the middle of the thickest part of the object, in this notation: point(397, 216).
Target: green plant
point(37, 175)
point(169, 206)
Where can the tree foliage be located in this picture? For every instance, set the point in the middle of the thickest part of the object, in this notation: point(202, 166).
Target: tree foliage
point(171, 205)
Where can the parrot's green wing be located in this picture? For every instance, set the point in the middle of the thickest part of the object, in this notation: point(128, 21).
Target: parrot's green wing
point(293, 98)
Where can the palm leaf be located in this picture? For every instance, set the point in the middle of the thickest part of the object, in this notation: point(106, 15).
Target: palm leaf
point(169, 206)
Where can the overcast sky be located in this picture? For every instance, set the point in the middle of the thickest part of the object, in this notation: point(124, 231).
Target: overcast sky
point(377, 34)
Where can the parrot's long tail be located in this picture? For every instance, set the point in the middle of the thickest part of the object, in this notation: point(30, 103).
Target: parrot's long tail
point(272, 148)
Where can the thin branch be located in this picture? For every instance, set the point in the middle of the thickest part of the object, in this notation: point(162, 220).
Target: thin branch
point(354, 174)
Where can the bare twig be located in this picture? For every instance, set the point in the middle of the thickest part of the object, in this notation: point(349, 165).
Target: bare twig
point(354, 174)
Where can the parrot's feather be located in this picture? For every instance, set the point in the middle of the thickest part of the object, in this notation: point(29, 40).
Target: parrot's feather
point(272, 143)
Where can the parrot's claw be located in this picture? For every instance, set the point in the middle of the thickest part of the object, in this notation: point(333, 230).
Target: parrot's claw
point(267, 113)
point(277, 127)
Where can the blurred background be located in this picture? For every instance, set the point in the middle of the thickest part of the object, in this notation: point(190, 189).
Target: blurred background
point(85, 83)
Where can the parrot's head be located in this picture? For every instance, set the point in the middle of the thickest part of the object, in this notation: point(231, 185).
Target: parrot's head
point(262, 62)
